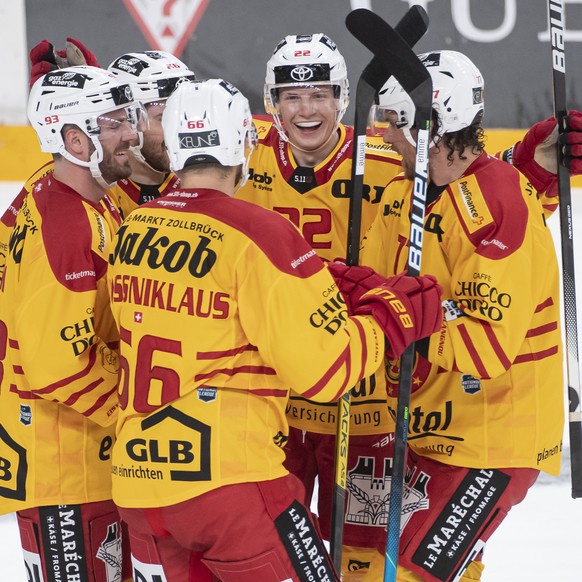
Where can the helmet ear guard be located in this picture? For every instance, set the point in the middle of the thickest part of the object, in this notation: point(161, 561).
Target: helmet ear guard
point(458, 91)
point(305, 61)
point(209, 121)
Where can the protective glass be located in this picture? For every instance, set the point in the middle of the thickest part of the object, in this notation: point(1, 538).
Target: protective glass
point(381, 118)
point(136, 118)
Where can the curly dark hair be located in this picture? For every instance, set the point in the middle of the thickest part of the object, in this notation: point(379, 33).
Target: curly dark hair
point(471, 137)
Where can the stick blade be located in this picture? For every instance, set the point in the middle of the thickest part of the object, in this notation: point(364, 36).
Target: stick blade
point(389, 46)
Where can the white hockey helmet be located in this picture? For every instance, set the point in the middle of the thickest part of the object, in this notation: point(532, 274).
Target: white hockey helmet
point(77, 96)
point(208, 121)
point(306, 60)
point(457, 95)
point(153, 75)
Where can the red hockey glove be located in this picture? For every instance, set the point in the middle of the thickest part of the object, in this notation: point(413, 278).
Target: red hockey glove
point(535, 156)
point(572, 142)
point(353, 282)
point(78, 54)
point(44, 58)
point(407, 309)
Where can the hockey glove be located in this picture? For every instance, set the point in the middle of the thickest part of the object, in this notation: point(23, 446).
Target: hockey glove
point(406, 308)
point(535, 156)
point(44, 58)
point(572, 142)
point(353, 282)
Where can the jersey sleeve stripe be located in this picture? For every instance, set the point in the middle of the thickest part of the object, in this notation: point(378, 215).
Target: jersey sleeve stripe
point(343, 360)
point(70, 379)
point(226, 353)
point(239, 370)
point(24, 394)
point(536, 356)
point(473, 353)
point(76, 395)
point(499, 351)
point(542, 329)
point(363, 361)
point(544, 305)
point(102, 400)
point(273, 393)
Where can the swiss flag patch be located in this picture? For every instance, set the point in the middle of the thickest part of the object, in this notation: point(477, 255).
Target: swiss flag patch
point(137, 316)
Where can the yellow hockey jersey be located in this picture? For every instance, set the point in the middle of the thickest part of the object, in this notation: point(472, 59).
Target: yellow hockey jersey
point(221, 307)
point(128, 195)
point(490, 392)
point(317, 201)
point(58, 397)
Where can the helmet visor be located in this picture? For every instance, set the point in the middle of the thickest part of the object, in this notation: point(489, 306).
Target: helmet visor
point(381, 118)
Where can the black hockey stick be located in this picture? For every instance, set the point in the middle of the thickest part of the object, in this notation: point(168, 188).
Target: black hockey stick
point(411, 27)
point(557, 27)
point(416, 81)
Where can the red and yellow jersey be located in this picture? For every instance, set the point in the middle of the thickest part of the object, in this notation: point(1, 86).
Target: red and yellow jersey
point(58, 392)
point(8, 219)
point(549, 199)
point(221, 307)
point(128, 195)
point(490, 392)
point(317, 201)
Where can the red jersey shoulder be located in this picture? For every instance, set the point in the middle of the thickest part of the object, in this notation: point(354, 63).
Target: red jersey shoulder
point(9, 216)
point(43, 171)
point(276, 236)
point(8, 219)
point(129, 188)
point(491, 205)
point(67, 234)
point(266, 130)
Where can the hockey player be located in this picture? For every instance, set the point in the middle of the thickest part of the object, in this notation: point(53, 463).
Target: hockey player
point(487, 398)
point(301, 169)
point(153, 75)
point(222, 306)
point(58, 398)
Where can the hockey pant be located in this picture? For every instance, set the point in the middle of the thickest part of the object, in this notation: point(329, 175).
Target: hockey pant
point(247, 532)
point(75, 542)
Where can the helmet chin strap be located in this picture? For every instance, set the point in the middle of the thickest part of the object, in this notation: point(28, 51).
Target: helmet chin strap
point(93, 163)
point(138, 155)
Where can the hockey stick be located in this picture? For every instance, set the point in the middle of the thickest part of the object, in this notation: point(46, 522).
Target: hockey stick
point(416, 81)
point(411, 27)
point(556, 19)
